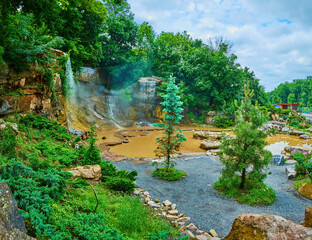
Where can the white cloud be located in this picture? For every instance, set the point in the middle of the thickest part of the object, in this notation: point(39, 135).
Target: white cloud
point(271, 37)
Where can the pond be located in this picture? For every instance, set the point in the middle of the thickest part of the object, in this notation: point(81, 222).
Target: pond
point(141, 141)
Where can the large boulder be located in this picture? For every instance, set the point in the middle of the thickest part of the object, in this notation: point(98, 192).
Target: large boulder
point(266, 226)
point(306, 190)
point(207, 145)
point(90, 172)
point(292, 150)
point(11, 222)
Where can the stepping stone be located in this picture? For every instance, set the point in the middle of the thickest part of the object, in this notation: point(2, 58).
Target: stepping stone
point(291, 162)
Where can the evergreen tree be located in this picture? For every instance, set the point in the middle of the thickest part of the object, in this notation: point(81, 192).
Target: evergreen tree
point(92, 155)
point(243, 156)
point(173, 137)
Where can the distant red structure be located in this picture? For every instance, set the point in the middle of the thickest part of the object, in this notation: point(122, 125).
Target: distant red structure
point(289, 106)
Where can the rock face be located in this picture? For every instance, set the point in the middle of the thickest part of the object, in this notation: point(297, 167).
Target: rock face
point(27, 92)
point(306, 190)
point(91, 172)
point(11, 222)
point(267, 227)
point(93, 102)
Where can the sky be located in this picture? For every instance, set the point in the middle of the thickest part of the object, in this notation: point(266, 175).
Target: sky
point(271, 37)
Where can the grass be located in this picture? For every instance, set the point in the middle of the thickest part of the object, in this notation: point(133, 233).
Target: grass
point(253, 194)
point(121, 212)
point(169, 174)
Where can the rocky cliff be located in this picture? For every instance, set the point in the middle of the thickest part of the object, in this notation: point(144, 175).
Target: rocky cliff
point(91, 102)
point(26, 92)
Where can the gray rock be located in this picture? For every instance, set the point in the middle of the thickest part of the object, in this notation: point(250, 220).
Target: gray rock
point(305, 136)
point(285, 129)
point(11, 222)
point(207, 145)
point(5, 107)
point(153, 204)
point(291, 162)
point(290, 172)
point(296, 133)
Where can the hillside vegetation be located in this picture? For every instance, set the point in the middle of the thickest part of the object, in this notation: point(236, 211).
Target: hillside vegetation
point(54, 205)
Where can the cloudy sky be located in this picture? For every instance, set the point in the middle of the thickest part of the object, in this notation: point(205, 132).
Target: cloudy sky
point(272, 37)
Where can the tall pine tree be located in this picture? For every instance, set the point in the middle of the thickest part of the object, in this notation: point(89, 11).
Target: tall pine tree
point(243, 156)
point(172, 139)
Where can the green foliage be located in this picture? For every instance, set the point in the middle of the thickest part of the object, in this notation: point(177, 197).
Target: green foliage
point(223, 121)
point(173, 138)
point(299, 157)
point(34, 191)
point(92, 155)
point(78, 183)
point(299, 90)
point(243, 152)
point(25, 44)
point(121, 213)
point(254, 193)
point(119, 180)
point(86, 226)
point(8, 141)
point(170, 174)
point(120, 184)
point(55, 129)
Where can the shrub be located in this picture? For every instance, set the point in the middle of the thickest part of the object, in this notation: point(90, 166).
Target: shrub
point(92, 155)
point(55, 129)
point(223, 121)
point(300, 167)
point(85, 226)
point(253, 194)
point(78, 182)
point(8, 141)
point(170, 174)
point(120, 184)
point(119, 180)
point(34, 191)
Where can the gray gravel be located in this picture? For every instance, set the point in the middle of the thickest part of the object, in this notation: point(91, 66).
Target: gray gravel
point(196, 198)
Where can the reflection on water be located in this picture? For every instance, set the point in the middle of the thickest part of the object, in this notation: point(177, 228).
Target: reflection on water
point(142, 141)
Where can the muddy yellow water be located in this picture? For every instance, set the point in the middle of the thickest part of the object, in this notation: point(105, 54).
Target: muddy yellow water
point(142, 141)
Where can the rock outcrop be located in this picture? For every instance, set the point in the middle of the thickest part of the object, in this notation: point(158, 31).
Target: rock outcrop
point(11, 222)
point(27, 92)
point(249, 226)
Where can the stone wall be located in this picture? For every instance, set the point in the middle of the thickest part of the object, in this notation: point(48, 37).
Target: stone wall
point(27, 93)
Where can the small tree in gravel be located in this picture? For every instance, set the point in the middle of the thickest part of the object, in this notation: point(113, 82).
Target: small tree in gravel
point(172, 139)
point(244, 157)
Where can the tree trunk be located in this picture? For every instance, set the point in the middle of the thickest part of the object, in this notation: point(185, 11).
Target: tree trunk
point(242, 185)
point(168, 148)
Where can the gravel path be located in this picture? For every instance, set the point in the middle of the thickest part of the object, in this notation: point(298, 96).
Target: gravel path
point(196, 198)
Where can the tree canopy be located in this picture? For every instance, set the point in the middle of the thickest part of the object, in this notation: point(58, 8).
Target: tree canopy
point(104, 34)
